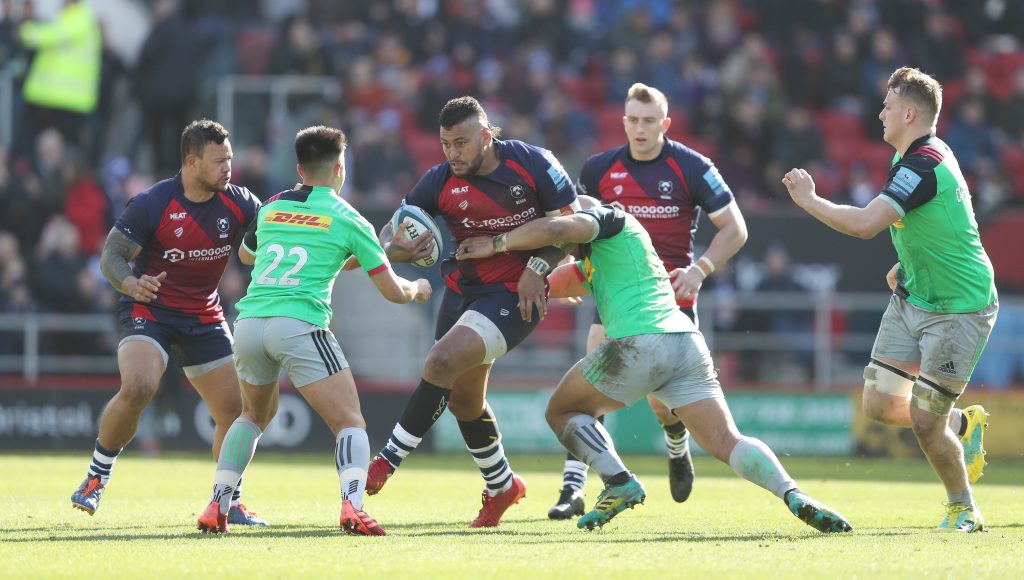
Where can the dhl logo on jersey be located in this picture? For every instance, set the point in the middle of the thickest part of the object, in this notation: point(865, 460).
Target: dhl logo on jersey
point(304, 220)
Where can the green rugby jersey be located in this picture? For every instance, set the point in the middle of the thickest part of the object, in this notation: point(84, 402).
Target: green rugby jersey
point(301, 240)
point(627, 278)
point(943, 266)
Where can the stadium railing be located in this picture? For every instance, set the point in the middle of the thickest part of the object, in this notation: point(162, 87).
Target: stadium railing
point(825, 347)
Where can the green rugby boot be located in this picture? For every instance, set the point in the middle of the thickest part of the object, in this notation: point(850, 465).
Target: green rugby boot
point(612, 501)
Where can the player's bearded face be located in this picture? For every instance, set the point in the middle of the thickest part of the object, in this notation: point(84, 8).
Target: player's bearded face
point(214, 166)
point(463, 146)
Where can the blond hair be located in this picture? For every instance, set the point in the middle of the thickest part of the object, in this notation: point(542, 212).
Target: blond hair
point(923, 91)
point(646, 94)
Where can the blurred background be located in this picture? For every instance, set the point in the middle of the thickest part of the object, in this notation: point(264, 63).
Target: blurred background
point(760, 86)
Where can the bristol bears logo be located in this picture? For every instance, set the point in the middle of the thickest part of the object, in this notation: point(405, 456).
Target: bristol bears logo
point(518, 193)
point(665, 187)
point(222, 225)
point(174, 255)
point(139, 322)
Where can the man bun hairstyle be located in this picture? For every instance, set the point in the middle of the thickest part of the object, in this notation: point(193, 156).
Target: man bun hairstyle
point(923, 91)
point(319, 146)
point(460, 109)
point(199, 134)
point(646, 94)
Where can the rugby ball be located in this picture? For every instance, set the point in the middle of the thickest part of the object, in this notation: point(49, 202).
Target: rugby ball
point(419, 222)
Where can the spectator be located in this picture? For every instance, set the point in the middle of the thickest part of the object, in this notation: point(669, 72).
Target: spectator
point(972, 137)
point(167, 78)
point(299, 51)
point(62, 87)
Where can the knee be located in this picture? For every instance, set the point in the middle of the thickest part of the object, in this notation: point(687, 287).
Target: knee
point(136, 391)
point(231, 409)
point(876, 411)
point(466, 408)
point(441, 363)
point(346, 421)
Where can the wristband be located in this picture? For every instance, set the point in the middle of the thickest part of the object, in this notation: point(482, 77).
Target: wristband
point(500, 244)
point(710, 265)
point(538, 265)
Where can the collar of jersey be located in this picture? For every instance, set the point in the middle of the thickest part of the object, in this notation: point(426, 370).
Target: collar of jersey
point(660, 157)
point(315, 189)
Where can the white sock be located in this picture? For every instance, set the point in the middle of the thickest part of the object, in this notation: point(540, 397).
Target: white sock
point(752, 460)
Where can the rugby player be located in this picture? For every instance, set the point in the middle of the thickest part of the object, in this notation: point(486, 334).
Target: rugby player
point(166, 255)
point(300, 242)
point(651, 347)
point(665, 185)
point(485, 186)
point(944, 301)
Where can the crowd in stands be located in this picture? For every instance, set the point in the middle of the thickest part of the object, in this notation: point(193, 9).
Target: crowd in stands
point(758, 85)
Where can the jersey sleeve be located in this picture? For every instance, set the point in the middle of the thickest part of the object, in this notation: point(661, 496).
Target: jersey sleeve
point(250, 205)
point(610, 221)
point(911, 184)
point(139, 220)
point(590, 178)
point(711, 192)
point(554, 186)
point(427, 190)
point(363, 244)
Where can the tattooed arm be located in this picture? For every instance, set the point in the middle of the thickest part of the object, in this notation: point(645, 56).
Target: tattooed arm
point(118, 250)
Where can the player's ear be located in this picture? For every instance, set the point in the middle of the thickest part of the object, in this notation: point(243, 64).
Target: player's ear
point(665, 124)
point(298, 169)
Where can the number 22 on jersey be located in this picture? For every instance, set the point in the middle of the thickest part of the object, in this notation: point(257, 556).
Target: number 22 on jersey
point(279, 255)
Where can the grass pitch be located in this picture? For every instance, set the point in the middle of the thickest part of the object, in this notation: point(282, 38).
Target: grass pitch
point(145, 527)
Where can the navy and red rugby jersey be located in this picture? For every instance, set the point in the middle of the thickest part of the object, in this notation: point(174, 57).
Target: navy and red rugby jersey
point(529, 183)
point(191, 241)
point(665, 194)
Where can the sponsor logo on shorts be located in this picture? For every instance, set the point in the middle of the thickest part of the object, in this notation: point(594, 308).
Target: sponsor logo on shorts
point(948, 368)
point(139, 322)
point(303, 220)
point(503, 312)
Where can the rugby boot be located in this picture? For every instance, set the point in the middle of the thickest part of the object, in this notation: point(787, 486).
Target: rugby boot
point(680, 476)
point(211, 521)
point(87, 496)
point(962, 519)
point(495, 506)
point(377, 475)
point(815, 514)
point(974, 442)
point(356, 522)
point(569, 504)
point(239, 514)
point(614, 499)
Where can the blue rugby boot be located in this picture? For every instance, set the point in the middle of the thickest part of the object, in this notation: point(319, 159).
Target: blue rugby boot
point(240, 515)
point(612, 501)
point(87, 496)
point(815, 514)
